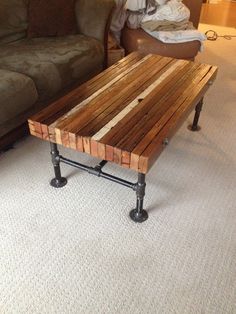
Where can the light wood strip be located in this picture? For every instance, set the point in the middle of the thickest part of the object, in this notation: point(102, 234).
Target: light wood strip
point(31, 125)
point(72, 140)
point(58, 136)
point(52, 134)
point(111, 124)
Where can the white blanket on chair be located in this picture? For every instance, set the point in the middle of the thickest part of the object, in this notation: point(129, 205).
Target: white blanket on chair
point(173, 37)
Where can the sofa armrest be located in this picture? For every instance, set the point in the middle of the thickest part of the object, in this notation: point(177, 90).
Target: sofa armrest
point(94, 17)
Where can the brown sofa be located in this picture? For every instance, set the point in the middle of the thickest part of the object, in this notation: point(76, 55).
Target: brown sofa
point(138, 39)
point(33, 71)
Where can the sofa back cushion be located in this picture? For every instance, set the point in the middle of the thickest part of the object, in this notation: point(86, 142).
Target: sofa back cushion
point(51, 18)
point(13, 20)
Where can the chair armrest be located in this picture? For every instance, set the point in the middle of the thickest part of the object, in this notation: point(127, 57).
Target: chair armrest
point(94, 17)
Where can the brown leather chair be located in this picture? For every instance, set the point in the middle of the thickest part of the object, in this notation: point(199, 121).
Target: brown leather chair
point(138, 39)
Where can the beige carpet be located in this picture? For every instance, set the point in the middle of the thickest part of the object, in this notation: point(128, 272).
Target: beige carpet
point(75, 250)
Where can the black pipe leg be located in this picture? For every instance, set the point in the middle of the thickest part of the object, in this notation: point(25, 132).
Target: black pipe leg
point(58, 181)
point(198, 109)
point(139, 214)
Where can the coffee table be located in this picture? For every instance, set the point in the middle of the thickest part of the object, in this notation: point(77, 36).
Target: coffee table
point(125, 115)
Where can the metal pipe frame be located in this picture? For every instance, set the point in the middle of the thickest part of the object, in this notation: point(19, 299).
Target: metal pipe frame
point(138, 214)
point(195, 127)
point(97, 171)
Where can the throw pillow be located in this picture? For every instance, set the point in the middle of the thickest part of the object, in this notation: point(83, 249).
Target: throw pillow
point(51, 18)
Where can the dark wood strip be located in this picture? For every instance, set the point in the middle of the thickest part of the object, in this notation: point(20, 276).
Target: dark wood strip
point(117, 156)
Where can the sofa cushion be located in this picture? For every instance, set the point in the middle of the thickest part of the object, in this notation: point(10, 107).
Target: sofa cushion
point(53, 63)
point(51, 18)
point(13, 20)
point(17, 94)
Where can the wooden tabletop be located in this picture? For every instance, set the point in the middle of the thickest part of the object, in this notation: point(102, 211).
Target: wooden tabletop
point(124, 114)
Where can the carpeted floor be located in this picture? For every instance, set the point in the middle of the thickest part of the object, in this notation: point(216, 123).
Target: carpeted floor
point(75, 250)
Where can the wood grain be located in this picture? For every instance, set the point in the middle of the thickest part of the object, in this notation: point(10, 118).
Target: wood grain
point(124, 113)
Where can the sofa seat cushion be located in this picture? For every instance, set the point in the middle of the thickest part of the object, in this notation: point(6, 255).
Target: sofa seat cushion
point(138, 39)
point(53, 62)
point(17, 94)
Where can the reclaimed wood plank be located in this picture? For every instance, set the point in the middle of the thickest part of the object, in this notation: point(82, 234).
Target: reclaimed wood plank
point(58, 136)
point(94, 148)
point(86, 145)
point(125, 159)
point(101, 151)
point(65, 139)
point(79, 144)
point(72, 141)
point(109, 153)
point(45, 132)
